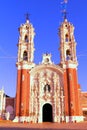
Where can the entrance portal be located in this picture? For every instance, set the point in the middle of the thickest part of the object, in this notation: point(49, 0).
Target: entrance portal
point(47, 113)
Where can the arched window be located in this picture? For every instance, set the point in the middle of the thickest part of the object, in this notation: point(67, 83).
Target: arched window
point(26, 38)
point(66, 38)
point(47, 88)
point(25, 56)
point(68, 55)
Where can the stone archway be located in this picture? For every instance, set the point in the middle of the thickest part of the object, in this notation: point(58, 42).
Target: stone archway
point(47, 113)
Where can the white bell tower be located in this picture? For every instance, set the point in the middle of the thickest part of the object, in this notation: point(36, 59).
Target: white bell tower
point(26, 43)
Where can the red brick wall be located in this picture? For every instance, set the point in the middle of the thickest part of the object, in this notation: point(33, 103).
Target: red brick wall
point(73, 92)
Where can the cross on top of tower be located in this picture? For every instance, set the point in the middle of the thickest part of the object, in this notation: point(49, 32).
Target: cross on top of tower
point(64, 14)
point(64, 8)
point(27, 16)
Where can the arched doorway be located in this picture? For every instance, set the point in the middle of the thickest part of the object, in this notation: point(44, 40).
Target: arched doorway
point(47, 113)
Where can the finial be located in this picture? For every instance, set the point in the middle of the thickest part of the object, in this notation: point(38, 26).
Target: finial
point(64, 14)
point(27, 16)
point(64, 10)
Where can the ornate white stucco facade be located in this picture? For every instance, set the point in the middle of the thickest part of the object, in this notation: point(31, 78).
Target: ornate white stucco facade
point(46, 88)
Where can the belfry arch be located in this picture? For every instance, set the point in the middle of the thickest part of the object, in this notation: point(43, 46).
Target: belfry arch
point(26, 39)
point(25, 56)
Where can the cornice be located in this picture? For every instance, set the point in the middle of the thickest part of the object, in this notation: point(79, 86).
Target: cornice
point(24, 65)
point(53, 67)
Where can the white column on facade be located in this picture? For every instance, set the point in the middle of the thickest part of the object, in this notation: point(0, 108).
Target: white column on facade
point(40, 101)
point(62, 104)
point(38, 97)
point(32, 107)
point(36, 100)
point(59, 97)
point(55, 97)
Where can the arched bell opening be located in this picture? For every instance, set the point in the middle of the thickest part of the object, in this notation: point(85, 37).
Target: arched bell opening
point(66, 38)
point(26, 38)
point(25, 56)
point(68, 55)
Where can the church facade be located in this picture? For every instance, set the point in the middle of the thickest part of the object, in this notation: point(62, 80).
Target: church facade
point(47, 92)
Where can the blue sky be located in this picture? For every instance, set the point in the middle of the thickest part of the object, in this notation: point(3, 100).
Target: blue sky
point(45, 15)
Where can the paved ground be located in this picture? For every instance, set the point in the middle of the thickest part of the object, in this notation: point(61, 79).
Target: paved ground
point(43, 126)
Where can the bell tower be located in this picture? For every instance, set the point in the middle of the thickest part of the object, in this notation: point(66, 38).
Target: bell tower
point(24, 64)
point(68, 44)
point(26, 43)
point(69, 63)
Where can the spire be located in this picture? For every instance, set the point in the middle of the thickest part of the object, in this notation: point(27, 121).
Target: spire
point(64, 8)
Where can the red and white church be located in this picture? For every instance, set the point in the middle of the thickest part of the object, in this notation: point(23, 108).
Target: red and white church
point(47, 92)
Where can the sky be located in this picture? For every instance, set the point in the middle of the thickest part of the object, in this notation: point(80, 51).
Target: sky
point(46, 17)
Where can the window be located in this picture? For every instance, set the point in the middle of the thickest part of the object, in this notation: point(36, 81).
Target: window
point(47, 60)
point(84, 113)
point(66, 38)
point(47, 88)
point(25, 57)
point(26, 38)
point(68, 55)
point(66, 25)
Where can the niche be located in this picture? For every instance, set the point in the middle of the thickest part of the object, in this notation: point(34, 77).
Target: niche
point(47, 88)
